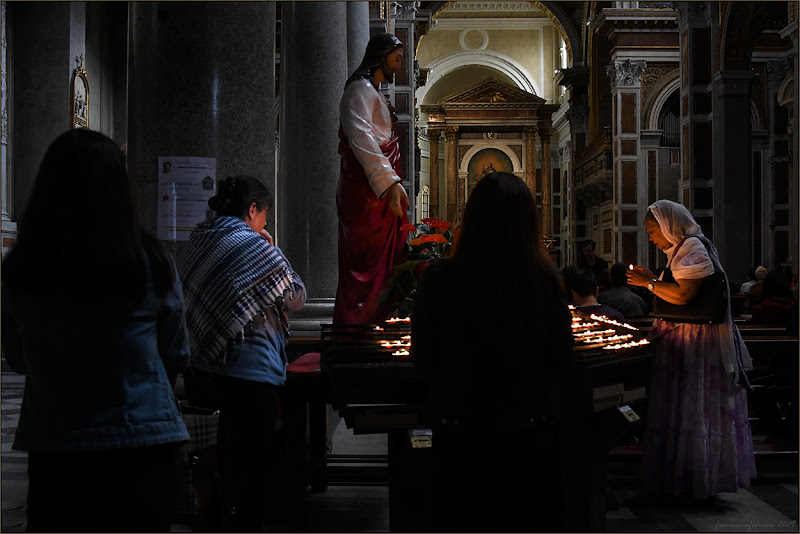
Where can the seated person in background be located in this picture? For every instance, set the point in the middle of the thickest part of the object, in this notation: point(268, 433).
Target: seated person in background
point(754, 289)
point(603, 280)
point(584, 295)
point(751, 281)
point(620, 296)
point(588, 260)
point(776, 308)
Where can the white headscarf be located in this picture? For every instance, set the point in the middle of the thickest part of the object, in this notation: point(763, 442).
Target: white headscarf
point(675, 220)
point(676, 223)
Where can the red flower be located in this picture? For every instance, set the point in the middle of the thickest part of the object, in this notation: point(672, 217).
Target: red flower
point(433, 238)
point(441, 225)
point(407, 227)
point(430, 221)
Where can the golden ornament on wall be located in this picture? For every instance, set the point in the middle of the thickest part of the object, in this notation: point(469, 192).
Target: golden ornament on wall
point(79, 97)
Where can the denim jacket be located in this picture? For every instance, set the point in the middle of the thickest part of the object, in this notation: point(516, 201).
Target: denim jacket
point(90, 384)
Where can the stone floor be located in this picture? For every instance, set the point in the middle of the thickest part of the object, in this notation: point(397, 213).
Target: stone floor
point(770, 505)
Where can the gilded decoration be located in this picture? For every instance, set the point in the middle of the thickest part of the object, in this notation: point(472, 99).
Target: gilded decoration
point(495, 96)
point(79, 97)
point(652, 75)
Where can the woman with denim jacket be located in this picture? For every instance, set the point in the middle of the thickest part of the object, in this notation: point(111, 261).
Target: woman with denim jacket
point(92, 314)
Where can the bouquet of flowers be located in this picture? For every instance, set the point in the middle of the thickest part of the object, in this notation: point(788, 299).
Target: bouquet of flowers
point(431, 241)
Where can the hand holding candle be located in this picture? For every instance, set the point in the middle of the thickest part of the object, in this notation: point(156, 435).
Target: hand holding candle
point(639, 276)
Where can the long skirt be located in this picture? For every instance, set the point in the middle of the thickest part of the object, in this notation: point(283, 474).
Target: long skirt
point(697, 437)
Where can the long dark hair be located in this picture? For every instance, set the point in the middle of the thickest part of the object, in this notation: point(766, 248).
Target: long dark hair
point(235, 195)
point(79, 237)
point(501, 241)
point(379, 46)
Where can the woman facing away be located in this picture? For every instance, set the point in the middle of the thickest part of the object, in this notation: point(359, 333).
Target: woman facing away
point(492, 336)
point(697, 440)
point(239, 287)
point(92, 314)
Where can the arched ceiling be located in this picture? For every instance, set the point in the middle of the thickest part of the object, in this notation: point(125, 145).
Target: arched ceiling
point(566, 16)
point(459, 79)
point(520, 43)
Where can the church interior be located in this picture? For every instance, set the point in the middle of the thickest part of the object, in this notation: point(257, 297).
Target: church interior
point(602, 108)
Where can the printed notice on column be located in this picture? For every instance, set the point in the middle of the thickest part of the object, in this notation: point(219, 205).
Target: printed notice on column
point(184, 186)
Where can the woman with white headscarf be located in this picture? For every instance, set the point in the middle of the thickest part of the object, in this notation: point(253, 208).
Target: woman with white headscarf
point(697, 439)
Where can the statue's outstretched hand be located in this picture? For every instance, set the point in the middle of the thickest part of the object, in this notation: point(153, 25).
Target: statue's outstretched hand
point(398, 200)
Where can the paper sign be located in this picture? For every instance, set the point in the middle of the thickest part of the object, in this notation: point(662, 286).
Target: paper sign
point(184, 186)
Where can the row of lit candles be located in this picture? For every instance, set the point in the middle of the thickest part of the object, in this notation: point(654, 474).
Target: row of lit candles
point(590, 333)
point(605, 319)
point(627, 345)
point(610, 339)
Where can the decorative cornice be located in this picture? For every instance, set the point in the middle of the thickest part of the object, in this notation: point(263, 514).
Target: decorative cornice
point(625, 73)
point(573, 75)
point(501, 23)
point(494, 92)
point(405, 10)
point(776, 72)
point(611, 21)
point(456, 7)
point(545, 134)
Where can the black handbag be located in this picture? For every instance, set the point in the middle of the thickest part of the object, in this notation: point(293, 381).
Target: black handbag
point(709, 306)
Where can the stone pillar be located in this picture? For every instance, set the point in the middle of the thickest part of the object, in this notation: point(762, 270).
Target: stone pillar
point(433, 141)
point(697, 127)
point(731, 160)
point(357, 33)
point(629, 182)
point(48, 39)
point(5, 190)
point(312, 82)
point(451, 170)
point(529, 135)
point(196, 96)
point(791, 32)
point(547, 186)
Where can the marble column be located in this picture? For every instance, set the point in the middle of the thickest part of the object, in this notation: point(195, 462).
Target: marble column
point(357, 33)
point(433, 141)
point(529, 135)
point(48, 39)
point(5, 190)
point(731, 167)
point(547, 186)
point(791, 32)
point(313, 74)
point(451, 170)
point(200, 82)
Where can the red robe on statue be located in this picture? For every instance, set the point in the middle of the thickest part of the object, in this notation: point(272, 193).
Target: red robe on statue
point(370, 240)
